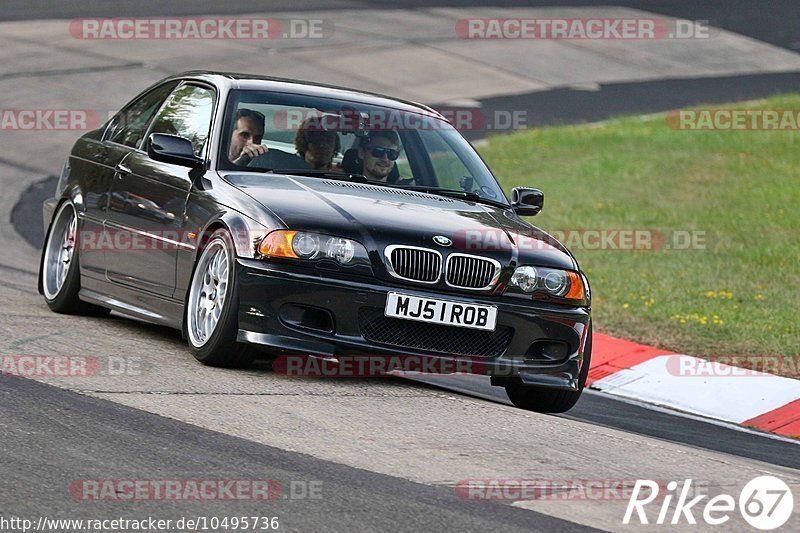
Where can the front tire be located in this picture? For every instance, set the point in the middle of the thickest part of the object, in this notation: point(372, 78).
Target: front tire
point(544, 400)
point(211, 317)
point(60, 268)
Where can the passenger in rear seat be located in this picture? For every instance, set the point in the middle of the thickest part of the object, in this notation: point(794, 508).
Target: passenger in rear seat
point(316, 144)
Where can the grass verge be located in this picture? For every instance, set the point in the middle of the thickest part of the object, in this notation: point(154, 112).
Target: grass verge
point(738, 191)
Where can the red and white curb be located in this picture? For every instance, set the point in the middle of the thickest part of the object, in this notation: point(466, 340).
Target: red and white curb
point(751, 399)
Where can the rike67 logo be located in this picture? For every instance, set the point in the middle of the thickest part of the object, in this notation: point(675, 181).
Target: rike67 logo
point(765, 503)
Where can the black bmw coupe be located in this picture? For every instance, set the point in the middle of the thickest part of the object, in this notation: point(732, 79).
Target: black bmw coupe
point(315, 221)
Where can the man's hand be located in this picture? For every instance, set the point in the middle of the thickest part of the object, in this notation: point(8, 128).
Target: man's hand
point(250, 152)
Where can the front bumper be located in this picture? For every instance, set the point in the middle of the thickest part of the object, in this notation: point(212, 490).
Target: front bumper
point(270, 295)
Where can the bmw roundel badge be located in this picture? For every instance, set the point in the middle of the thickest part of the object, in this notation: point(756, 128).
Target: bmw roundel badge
point(441, 240)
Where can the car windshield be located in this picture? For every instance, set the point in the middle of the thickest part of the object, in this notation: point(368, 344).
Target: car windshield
point(312, 136)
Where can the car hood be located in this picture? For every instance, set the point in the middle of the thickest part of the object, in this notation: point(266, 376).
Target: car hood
point(378, 216)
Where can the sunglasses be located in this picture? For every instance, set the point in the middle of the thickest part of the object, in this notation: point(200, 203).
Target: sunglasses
point(380, 151)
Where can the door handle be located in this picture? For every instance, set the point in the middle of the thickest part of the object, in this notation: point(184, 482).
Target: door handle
point(122, 169)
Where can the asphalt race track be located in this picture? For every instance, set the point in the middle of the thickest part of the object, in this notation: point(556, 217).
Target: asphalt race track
point(347, 454)
point(44, 420)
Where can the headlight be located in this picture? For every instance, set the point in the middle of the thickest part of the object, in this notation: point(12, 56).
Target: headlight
point(556, 282)
point(322, 249)
point(278, 244)
point(563, 284)
point(342, 250)
point(305, 245)
point(524, 278)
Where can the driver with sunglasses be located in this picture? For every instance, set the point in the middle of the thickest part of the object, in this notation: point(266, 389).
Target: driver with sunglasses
point(379, 151)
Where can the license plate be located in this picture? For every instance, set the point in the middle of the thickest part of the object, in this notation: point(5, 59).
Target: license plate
point(441, 311)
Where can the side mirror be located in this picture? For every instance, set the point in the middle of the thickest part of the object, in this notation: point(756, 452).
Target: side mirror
point(172, 149)
point(526, 201)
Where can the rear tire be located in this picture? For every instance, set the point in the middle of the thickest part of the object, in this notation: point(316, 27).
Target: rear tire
point(211, 322)
point(545, 400)
point(60, 269)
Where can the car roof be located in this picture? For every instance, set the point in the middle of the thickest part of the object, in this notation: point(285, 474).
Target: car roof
point(254, 82)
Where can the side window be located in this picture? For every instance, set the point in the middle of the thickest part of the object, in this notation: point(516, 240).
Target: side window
point(128, 128)
point(187, 113)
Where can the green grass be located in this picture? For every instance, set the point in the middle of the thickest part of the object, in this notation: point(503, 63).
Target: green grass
point(741, 187)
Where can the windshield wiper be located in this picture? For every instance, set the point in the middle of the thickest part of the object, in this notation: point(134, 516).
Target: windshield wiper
point(454, 193)
point(332, 174)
